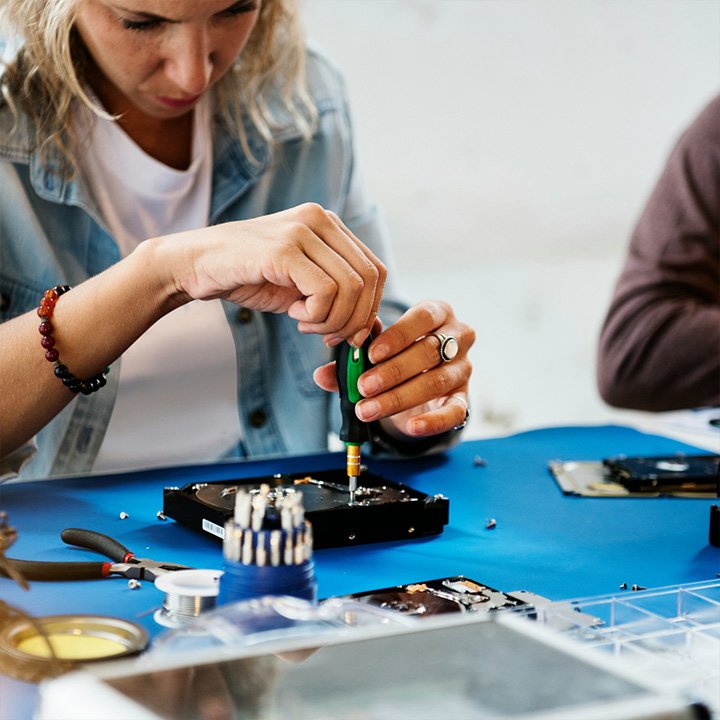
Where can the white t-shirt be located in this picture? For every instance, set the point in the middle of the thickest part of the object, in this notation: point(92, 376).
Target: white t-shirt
point(176, 401)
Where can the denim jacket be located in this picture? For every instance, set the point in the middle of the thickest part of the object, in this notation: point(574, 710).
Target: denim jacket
point(51, 232)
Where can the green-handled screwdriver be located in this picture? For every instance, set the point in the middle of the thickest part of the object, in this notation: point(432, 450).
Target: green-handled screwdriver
point(350, 364)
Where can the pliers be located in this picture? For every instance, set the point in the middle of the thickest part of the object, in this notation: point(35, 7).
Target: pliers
point(126, 563)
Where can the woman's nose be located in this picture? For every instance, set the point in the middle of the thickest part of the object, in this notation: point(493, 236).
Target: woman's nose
point(189, 63)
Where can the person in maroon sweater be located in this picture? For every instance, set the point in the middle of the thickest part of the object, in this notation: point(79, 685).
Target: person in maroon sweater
point(659, 346)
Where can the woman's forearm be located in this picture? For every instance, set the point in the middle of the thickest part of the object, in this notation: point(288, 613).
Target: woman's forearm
point(92, 325)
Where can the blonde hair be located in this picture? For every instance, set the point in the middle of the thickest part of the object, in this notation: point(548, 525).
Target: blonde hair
point(46, 76)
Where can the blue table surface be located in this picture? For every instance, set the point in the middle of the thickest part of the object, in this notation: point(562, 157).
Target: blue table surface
point(555, 545)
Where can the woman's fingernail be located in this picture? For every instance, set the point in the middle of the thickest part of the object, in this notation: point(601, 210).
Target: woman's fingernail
point(368, 409)
point(378, 353)
point(369, 385)
point(419, 427)
point(332, 341)
point(359, 338)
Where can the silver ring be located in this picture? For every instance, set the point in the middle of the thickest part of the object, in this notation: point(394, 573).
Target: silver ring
point(467, 411)
point(448, 346)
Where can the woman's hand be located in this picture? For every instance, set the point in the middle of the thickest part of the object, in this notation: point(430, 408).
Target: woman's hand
point(411, 386)
point(302, 261)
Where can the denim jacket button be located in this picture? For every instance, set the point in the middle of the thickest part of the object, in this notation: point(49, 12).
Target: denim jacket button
point(4, 302)
point(244, 316)
point(257, 418)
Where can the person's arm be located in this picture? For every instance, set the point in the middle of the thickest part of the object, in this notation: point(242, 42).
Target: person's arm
point(302, 261)
point(660, 344)
point(93, 324)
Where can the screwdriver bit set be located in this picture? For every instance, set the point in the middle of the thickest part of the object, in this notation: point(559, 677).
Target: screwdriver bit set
point(380, 511)
point(268, 527)
point(267, 548)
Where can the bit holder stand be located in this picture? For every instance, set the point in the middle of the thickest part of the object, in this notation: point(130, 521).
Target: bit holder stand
point(267, 547)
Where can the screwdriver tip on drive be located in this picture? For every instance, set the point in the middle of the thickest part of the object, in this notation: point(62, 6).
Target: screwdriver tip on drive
point(353, 469)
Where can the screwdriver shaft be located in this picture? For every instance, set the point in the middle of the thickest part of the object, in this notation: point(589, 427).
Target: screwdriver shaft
point(353, 469)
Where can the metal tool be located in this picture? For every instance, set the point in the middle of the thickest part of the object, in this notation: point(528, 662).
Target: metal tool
point(268, 528)
point(350, 364)
point(267, 548)
point(126, 563)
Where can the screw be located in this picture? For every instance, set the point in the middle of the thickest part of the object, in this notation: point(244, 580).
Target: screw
point(491, 524)
point(479, 461)
point(133, 584)
point(637, 588)
point(123, 515)
point(161, 515)
point(623, 586)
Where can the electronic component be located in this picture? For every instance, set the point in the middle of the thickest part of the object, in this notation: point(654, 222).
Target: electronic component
point(383, 510)
point(687, 473)
point(679, 475)
point(445, 595)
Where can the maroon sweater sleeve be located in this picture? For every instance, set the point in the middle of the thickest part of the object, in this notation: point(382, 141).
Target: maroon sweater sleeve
point(660, 344)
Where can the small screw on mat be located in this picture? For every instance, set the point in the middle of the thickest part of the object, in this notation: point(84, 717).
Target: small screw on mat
point(623, 586)
point(491, 524)
point(161, 515)
point(123, 515)
point(479, 461)
point(134, 584)
point(637, 588)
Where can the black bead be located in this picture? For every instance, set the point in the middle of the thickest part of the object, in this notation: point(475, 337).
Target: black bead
point(74, 384)
point(61, 371)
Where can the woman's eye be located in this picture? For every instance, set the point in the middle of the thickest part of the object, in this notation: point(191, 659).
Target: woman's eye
point(240, 8)
point(244, 6)
point(140, 24)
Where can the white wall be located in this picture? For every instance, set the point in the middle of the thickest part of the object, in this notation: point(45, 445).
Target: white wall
point(512, 144)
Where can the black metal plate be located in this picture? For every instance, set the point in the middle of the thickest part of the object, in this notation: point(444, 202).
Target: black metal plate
point(384, 510)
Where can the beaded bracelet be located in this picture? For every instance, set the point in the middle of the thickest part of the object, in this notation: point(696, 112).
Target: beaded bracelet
point(45, 312)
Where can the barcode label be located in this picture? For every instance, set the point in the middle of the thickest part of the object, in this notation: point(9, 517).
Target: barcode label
point(213, 529)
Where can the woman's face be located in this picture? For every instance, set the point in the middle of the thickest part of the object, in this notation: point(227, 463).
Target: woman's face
point(161, 56)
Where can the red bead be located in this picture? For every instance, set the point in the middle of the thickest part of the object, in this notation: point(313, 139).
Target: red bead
point(45, 311)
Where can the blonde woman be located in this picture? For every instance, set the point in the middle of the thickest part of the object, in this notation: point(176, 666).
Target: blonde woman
point(180, 198)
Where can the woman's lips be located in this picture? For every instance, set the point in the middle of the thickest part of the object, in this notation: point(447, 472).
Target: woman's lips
point(178, 102)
